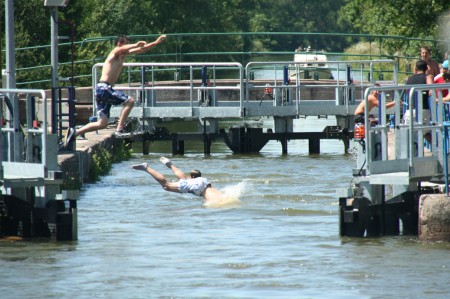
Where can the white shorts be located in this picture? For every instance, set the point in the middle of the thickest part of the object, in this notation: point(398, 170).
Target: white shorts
point(426, 118)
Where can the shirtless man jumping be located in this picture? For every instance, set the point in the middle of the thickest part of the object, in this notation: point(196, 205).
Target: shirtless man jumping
point(106, 96)
point(195, 184)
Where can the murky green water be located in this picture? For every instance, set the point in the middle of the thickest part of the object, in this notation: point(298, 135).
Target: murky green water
point(280, 241)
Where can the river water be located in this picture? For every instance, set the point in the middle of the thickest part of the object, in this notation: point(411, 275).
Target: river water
point(279, 239)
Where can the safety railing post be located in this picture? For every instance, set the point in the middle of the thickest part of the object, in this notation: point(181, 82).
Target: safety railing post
point(445, 126)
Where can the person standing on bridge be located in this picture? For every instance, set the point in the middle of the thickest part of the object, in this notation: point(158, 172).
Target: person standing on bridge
point(195, 184)
point(421, 76)
point(106, 96)
point(433, 66)
point(445, 92)
point(439, 79)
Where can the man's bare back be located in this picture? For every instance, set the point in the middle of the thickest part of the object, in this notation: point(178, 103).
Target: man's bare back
point(373, 102)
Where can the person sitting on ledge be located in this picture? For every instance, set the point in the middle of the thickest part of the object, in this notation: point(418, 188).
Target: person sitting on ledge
point(373, 102)
point(195, 184)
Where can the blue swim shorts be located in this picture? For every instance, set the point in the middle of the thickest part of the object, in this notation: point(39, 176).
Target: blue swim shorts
point(106, 97)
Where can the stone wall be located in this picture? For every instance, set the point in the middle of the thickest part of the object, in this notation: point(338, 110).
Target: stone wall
point(434, 217)
point(76, 166)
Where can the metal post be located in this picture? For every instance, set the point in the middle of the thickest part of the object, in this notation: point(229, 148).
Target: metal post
point(204, 76)
point(10, 46)
point(446, 126)
point(54, 64)
point(54, 45)
point(10, 71)
point(383, 210)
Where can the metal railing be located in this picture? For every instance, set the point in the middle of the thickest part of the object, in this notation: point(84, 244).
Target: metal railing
point(23, 145)
point(212, 88)
point(172, 51)
point(407, 152)
point(348, 74)
point(30, 132)
point(202, 90)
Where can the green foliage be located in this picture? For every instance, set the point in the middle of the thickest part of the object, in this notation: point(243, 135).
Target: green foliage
point(123, 151)
point(101, 164)
point(103, 159)
point(299, 16)
point(71, 183)
point(107, 18)
point(413, 18)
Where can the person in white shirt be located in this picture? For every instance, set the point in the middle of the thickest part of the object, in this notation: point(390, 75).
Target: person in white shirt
point(195, 184)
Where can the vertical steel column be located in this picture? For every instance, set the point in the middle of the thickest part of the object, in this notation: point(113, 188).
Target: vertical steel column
point(10, 47)
point(54, 64)
point(13, 151)
point(446, 126)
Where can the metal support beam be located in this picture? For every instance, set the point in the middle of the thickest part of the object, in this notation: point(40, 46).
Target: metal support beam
point(10, 46)
point(54, 45)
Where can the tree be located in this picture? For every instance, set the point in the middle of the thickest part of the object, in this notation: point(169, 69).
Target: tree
point(413, 18)
point(298, 16)
point(290, 24)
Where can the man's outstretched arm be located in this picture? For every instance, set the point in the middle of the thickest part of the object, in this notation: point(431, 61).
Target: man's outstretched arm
point(148, 46)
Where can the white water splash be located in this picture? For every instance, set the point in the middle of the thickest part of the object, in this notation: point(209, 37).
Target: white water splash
point(354, 152)
point(230, 196)
point(444, 33)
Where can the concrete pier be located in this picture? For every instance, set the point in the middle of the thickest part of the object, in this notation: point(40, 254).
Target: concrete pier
point(434, 217)
point(76, 166)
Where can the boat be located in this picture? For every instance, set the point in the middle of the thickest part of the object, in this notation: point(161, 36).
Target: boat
point(310, 64)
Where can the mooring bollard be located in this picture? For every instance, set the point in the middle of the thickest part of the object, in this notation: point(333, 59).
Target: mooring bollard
point(434, 217)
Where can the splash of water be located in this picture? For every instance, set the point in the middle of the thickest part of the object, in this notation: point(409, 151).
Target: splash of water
point(230, 196)
point(444, 33)
point(354, 152)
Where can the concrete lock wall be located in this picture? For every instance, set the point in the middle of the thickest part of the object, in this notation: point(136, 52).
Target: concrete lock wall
point(434, 217)
point(76, 166)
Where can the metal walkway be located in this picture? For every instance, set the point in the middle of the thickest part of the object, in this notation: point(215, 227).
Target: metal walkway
point(395, 163)
point(396, 152)
point(227, 90)
point(30, 177)
point(211, 92)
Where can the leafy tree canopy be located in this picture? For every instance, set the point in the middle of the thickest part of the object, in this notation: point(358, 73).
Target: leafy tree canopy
point(416, 19)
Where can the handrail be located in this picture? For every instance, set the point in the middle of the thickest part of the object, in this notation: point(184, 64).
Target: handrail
point(415, 112)
point(156, 96)
point(29, 125)
point(437, 120)
point(25, 72)
point(329, 62)
point(174, 66)
point(333, 64)
point(190, 34)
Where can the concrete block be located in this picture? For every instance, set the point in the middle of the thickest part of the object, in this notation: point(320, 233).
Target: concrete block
point(434, 217)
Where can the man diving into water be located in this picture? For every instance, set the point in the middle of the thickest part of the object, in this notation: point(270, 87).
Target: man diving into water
point(195, 184)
